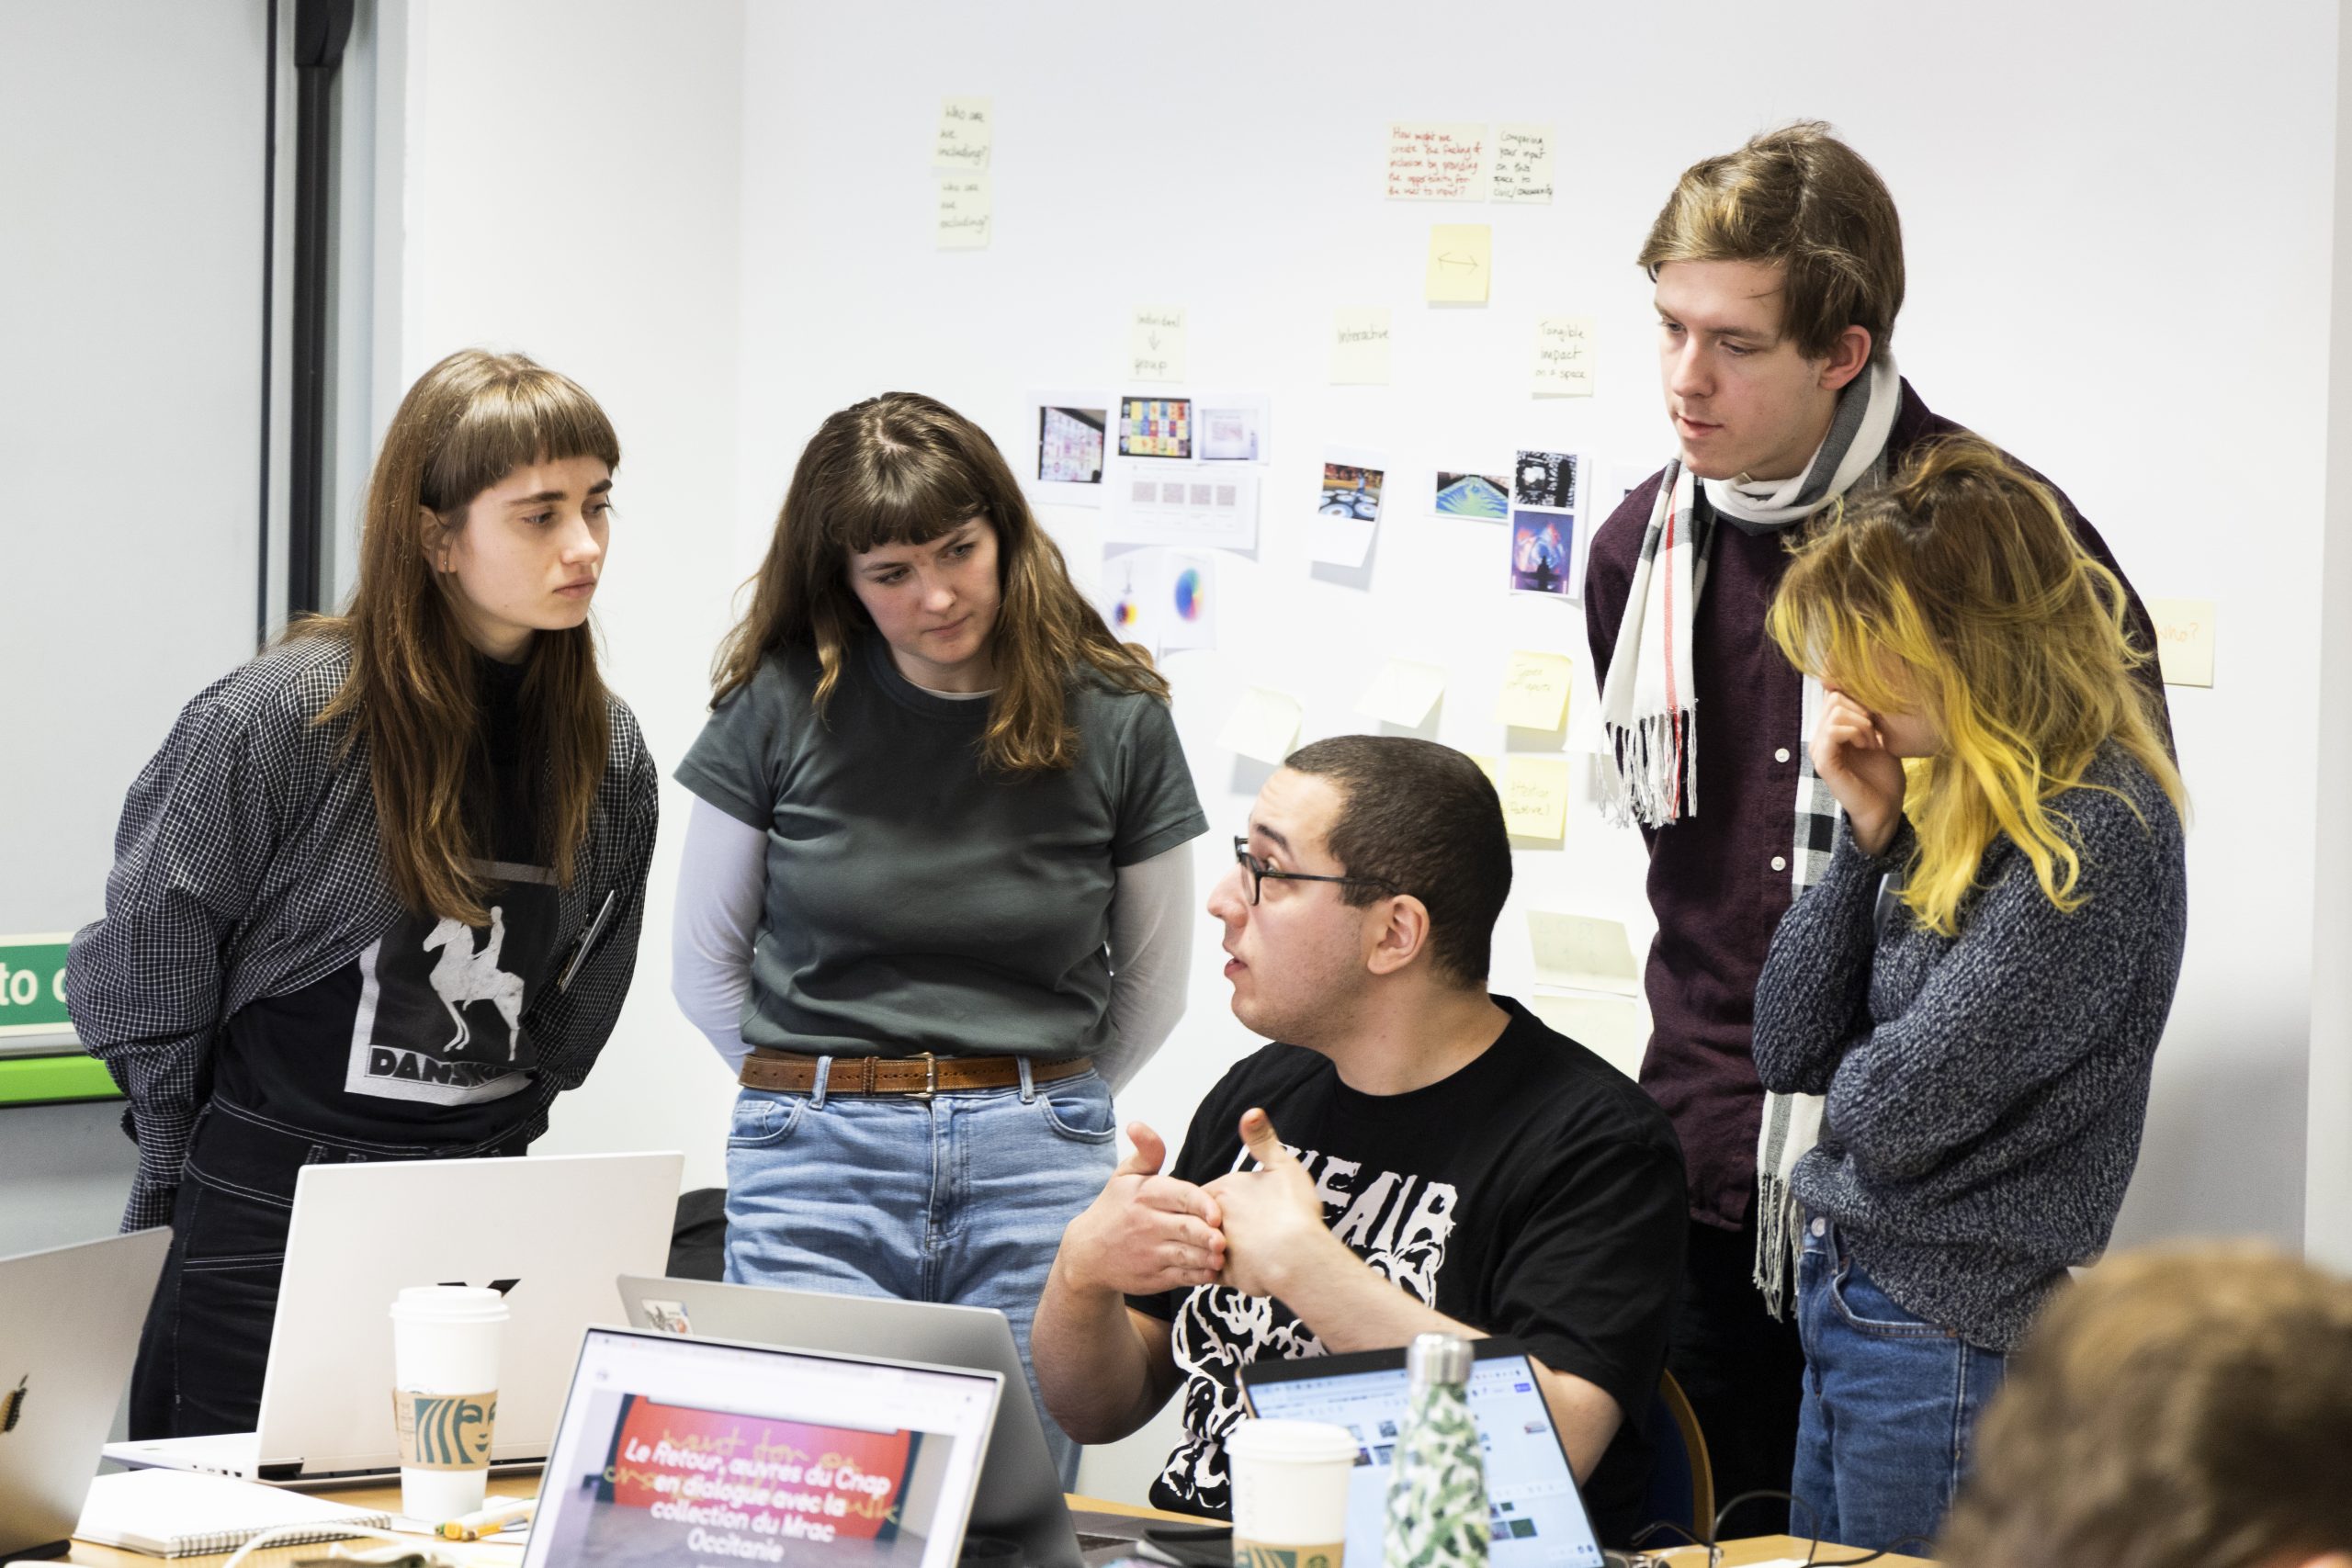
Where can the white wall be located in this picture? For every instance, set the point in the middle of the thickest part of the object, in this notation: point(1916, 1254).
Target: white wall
point(572, 191)
point(2118, 223)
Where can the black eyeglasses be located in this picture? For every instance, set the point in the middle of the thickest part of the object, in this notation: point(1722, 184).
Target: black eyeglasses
point(1260, 873)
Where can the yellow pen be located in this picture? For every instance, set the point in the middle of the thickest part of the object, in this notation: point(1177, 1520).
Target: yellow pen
point(489, 1520)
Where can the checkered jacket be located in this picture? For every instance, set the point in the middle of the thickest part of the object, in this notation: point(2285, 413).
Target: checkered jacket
point(247, 865)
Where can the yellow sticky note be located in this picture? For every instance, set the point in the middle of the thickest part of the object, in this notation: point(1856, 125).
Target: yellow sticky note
point(1461, 260)
point(2183, 641)
point(1360, 347)
point(964, 135)
point(1585, 951)
point(1524, 163)
point(964, 218)
point(1427, 161)
point(1264, 726)
point(1403, 693)
point(1535, 798)
point(1609, 1027)
point(1564, 356)
point(1535, 691)
point(1489, 767)
point(1155, 344)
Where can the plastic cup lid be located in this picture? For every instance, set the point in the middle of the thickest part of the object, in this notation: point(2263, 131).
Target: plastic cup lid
point(1306, 1442)
point(449, 1303)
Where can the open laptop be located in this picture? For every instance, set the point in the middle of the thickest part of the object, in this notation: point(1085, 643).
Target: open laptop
point(1538, 1517)
point(675, 1450)
point(69, 1331)
point(1021, 1493)
point(550, 1232)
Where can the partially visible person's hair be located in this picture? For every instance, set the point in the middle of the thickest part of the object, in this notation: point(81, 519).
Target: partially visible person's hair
point(2175, 1409)
point(1957, 588)
point(903, 469)
point(1425, 820)
point(1804, 200)
point(413, 692)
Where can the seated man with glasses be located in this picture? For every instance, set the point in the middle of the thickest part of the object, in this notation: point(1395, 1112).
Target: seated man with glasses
point(1417, 1155)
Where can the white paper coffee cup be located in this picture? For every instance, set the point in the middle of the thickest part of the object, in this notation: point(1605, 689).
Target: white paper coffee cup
point(445, 1395)
point(1290, 1493)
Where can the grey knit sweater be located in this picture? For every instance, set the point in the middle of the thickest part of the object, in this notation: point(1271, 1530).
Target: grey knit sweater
point(1986, 1093)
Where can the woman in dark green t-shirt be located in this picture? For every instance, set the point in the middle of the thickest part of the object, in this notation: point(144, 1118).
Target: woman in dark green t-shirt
point(936, 895)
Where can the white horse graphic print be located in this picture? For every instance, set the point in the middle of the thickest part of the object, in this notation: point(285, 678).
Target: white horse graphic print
point(462, 975)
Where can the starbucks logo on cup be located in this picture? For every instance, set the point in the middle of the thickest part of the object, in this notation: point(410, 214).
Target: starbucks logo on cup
point(444, 1431)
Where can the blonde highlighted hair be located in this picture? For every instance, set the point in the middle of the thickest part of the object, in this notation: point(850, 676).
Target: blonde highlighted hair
point(903, 469)
point(1801, 200)
point(1957, 591)
point(412, 690)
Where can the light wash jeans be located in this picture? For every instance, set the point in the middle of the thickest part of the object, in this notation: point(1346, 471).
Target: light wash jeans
point(1890, 1405)
point(959, 1199)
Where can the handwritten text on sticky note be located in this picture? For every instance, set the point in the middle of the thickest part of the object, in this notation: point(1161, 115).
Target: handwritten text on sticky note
point(2183, 641)
point(1522, 164)
point(1535, 691)
point(964, 135)
point(964, 215)
point(1155, 344)
point(1360, 347)
point(1535, 798)
point(1460, 261)
point(1436, 162)
point(1564, 356)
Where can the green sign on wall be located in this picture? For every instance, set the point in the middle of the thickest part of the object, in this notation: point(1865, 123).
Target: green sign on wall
point(32, 985)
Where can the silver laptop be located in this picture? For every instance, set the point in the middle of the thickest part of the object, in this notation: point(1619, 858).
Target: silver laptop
point(1021, 1495)
point(550, 1232)
point(1537, 1514)
point(69, 1331)
point(676, 1449)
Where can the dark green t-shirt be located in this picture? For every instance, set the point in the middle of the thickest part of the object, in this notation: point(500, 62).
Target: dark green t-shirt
point(914, 902)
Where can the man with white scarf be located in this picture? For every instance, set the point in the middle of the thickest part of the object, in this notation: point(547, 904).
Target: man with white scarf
point(1778, 272)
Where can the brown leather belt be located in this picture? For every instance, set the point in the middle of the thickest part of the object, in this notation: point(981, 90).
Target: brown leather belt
point(789, 1072)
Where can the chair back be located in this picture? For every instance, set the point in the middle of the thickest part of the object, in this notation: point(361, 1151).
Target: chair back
point(1683, 1483)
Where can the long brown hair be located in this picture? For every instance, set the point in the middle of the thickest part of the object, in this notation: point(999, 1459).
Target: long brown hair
point(903, 469)
point(412, 690)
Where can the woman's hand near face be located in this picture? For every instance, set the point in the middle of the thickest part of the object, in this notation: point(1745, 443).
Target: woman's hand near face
point(1851, 756)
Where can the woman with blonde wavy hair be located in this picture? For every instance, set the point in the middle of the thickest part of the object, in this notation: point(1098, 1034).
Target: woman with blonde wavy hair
point(936, 899)
point(1978, 983)
point(378, 897)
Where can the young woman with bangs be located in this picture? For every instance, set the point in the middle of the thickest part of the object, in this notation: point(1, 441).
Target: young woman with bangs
point(936, 899)
point(378, 897)
point(1978, 984)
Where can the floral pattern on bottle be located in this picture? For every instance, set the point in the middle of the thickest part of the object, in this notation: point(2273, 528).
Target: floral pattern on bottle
point(1437, 1490)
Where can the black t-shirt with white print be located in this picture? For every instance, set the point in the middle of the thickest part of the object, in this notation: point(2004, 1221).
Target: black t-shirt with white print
point(422, 1038)
point(1536, 1192)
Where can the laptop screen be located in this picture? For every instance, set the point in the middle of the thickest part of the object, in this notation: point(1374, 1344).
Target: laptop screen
point(699, 1450)
point(1538, 1519)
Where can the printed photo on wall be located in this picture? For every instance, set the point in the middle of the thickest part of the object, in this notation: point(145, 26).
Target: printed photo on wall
point(1069, 445)
point(1232, 428)
point(1348, 513)
point(1072, 428)
point(1155, 427)
point(1543, 545)
point(1546, 479)
point(1483, 497)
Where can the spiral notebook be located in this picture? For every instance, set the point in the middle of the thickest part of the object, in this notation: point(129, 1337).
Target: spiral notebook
point(183, 1512)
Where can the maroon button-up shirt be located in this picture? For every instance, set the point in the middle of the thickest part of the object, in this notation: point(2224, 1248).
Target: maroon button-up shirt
point(1719, 878)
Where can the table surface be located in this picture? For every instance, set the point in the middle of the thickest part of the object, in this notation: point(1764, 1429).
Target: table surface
point(1737, 1553)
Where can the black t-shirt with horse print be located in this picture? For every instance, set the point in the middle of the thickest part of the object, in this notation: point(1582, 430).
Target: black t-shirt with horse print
point(424, 1031)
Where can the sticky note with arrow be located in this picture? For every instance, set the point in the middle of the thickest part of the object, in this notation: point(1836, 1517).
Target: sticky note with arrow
point(1460, 254)
point(1155, 344)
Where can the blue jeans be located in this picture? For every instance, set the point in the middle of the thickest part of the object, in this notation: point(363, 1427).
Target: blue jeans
point(961, 1198)
point(1890, 1404)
